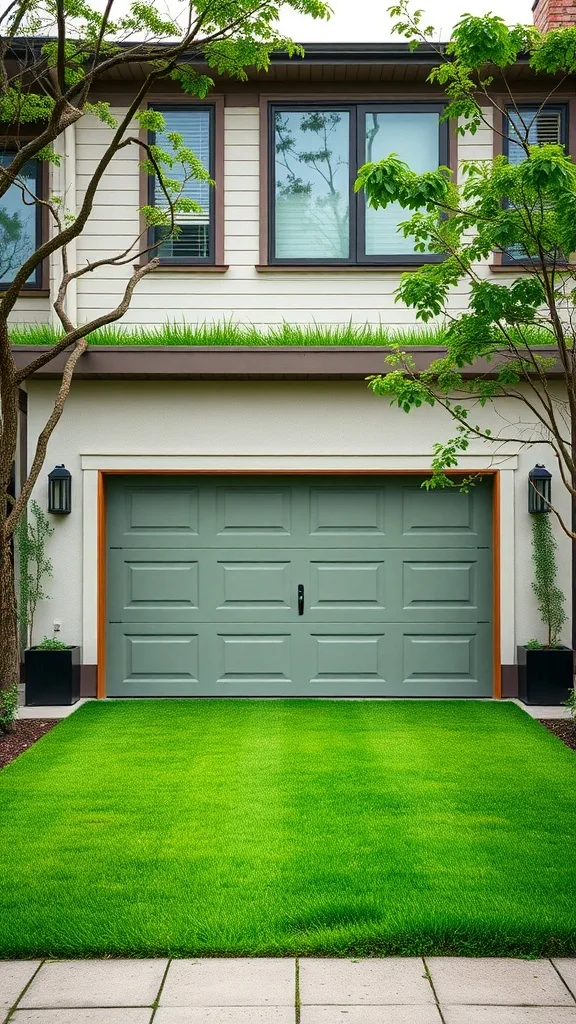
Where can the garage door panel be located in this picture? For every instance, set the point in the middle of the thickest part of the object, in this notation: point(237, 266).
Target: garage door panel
point(443, 586)
point(143, 513)
point(335, 513)
point(447, 662)
point(444, 516)
point(247, 512)
point(154, 585)
point(250, 584)
point(157, 660)
point(347, 586)
point(252, 655)
point(349, 658)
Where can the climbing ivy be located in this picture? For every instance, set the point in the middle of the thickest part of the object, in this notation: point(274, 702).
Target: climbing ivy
point(549, 596)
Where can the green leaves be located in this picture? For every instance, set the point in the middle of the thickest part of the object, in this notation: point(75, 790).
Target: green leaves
point(101, 110)
point(391, 181)
point(555, 52)
point(478, 41)
point(548, 594)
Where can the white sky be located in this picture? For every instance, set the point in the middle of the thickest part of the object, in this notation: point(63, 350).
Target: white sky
point(361, 21)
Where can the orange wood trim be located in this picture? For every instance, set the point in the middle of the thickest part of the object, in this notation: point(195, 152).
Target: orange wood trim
point(101, 583)
point(288, 472)
point(496, 604)
point(101, 613)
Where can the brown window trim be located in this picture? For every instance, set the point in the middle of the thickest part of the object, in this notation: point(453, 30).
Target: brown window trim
point(188, 268)
point(346, 98)
point(178, 100)
point(338, 268)
point(40, 288)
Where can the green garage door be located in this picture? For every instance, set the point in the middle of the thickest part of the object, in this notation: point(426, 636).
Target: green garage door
point(297, 586)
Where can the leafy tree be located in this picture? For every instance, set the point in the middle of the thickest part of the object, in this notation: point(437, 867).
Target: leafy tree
point(54, 54)
point(522, 208)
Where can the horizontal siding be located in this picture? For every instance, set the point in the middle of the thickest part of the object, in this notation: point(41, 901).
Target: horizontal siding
point(241, 293)
point(31, 311)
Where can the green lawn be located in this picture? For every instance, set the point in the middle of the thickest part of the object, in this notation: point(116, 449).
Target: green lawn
point(276, 827)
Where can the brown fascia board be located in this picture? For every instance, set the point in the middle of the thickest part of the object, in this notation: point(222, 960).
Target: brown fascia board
point(233, 363)
point(30, 48)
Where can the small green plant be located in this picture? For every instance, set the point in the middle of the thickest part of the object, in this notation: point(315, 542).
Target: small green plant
point(51, 643)
point(533, 644)
point(549, 596)
point(8, 708)
point(33, 531)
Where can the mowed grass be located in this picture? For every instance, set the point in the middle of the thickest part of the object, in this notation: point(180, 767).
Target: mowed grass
point(290, 827)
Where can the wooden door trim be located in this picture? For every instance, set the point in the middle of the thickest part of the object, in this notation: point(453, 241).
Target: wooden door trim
point(101, 546)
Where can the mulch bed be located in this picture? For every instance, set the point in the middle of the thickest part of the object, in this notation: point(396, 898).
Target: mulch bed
point(26, 732)
point(563, 728)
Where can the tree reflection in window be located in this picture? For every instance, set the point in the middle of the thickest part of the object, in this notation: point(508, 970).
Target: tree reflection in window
point(18, 220)
point(312, 175)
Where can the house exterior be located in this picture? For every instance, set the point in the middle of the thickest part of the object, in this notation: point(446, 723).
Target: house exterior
point(251, 522)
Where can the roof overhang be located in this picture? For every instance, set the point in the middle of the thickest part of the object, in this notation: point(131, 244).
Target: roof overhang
point(243, 363)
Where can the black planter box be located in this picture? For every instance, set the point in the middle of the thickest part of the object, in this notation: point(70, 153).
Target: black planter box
point(545, 676)
point(52, 677)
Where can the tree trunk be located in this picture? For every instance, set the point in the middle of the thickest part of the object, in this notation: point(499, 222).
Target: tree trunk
point(573, 499)
point(9, 649)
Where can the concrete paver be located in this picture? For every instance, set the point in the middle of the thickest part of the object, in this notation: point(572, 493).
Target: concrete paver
point(543, 710)
point(358, 982)
point(509, 1014)
point(123, 1015)
point(412, 1014)
point(263, 991)
point(230, 982)
point(51, 710)
point(497, 981)
point(567, 968)
point(225, 1015)
point(85, 983)
point(14, 976)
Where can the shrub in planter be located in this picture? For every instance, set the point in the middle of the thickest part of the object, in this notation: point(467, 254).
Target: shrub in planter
point(52, 673)
point(546, 670)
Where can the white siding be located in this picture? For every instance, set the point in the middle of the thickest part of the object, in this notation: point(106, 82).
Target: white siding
point(28, 311)
point(241, 294)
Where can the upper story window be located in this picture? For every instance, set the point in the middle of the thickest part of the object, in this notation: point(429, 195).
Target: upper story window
point(536, 125)
point(20, 221)
point(194, 241)
point(315, 152)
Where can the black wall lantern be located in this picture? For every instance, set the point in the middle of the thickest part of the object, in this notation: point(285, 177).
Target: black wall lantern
point(60, 491)
point(539, 489)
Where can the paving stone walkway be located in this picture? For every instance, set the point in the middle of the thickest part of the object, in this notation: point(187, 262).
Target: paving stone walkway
point(438, 990)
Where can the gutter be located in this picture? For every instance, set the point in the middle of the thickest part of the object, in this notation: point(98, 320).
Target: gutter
point(242, 363)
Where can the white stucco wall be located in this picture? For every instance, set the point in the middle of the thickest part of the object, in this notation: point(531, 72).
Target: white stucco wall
point(255, 425)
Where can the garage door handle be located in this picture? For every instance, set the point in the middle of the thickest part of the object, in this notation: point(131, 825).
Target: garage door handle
point(300, 599)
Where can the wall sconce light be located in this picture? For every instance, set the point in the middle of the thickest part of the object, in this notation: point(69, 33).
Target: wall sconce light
point(60, 491)
point(539, 489)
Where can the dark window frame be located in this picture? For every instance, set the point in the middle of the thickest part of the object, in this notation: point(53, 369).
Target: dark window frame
point(356, 110)
point(190, 261)
point(36, 282)
point(561, 108)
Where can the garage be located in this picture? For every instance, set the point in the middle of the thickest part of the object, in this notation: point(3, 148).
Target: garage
point(303, 586)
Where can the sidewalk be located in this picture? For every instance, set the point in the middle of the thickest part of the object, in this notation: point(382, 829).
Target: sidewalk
point(438, 990)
